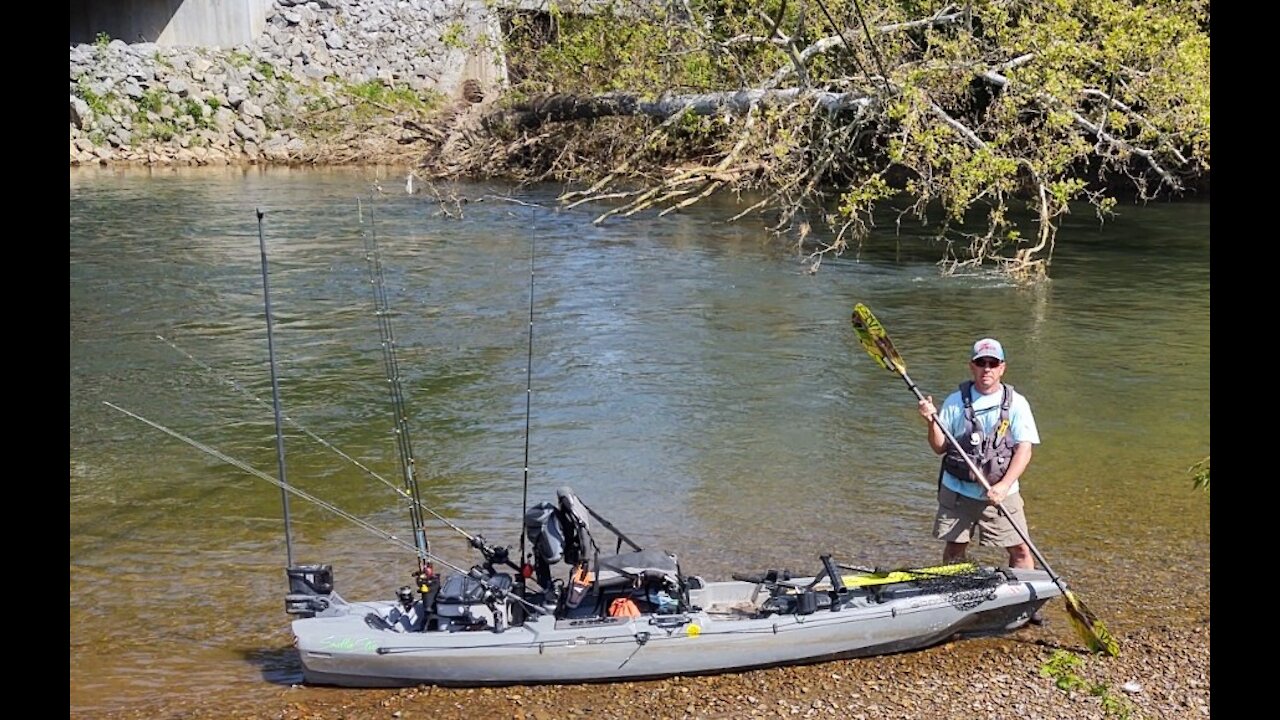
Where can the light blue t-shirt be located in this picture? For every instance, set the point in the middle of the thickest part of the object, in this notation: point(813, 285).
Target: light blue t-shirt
point(986, 408)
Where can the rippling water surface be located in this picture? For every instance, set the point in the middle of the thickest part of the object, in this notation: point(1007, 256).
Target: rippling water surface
point(689, 380)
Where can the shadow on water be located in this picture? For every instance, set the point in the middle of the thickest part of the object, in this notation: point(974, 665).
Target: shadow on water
point(278, 666)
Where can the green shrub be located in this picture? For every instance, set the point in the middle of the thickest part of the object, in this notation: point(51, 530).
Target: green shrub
point(1063, 667)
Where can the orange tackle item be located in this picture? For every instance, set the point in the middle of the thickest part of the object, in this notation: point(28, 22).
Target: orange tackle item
point(623, 607)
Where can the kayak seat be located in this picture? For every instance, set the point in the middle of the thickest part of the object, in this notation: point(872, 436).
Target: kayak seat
point(637, 569)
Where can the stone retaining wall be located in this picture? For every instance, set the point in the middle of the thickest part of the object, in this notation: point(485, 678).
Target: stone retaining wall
point(318, 64)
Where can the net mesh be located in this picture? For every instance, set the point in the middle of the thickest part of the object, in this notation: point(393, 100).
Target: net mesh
point(964, 586)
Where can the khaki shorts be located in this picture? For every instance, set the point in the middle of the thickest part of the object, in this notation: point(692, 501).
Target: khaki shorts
point(958, 515)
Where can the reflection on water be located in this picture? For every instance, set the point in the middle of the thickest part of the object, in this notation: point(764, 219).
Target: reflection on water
point(689, 380)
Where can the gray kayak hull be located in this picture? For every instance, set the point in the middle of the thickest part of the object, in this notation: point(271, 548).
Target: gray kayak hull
point(343, 648)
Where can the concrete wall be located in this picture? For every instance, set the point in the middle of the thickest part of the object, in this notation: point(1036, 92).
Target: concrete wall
point(172, 23)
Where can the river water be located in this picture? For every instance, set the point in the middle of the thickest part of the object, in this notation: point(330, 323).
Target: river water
point(689, 379)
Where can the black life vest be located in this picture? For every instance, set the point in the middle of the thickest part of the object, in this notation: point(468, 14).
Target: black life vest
point(991, 453)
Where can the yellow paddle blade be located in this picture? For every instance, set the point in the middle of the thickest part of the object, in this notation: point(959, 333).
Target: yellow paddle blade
point(888, 577)
point(875, 340)
point(1090, 629)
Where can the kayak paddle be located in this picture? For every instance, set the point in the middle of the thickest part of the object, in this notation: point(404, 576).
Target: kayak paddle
point(877, 344)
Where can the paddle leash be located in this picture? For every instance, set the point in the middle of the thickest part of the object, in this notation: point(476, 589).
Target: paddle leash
point(878, 345)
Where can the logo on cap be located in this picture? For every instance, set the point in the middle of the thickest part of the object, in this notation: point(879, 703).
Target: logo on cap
point(988, 347)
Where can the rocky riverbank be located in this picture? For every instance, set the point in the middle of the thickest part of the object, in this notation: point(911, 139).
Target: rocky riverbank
point(328, 82)
point(1038, 672)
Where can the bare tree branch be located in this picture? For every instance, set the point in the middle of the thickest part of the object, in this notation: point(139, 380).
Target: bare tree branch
point(559, 108)
point(1092, 128)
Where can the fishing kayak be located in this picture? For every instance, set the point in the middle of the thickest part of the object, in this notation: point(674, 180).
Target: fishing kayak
point(635, 615)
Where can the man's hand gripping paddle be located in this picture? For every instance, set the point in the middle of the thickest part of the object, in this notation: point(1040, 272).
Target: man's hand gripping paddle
point(877, 344)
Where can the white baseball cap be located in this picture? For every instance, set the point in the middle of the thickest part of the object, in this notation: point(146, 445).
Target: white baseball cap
point(988, 347)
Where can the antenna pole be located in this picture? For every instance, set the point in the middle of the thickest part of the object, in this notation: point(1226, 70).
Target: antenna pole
point(275, 399)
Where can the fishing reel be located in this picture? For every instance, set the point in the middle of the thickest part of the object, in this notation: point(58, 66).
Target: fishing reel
point(493, 555)
point(405, 597)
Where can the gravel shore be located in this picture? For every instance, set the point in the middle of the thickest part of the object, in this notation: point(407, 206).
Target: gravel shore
point(1162, 672)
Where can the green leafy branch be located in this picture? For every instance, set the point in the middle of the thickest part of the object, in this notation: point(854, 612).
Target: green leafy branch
point(1062, 668)
point(1200, 474)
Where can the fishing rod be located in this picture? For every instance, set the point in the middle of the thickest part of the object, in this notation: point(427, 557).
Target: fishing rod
point(473, 539)
point(494, 555)
point(528, 403)
point(275, 396)
point(425, 572)
point(286, 488)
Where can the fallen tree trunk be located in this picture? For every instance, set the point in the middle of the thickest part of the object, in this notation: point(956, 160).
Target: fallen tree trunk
point(971, 118)
point(562, 108)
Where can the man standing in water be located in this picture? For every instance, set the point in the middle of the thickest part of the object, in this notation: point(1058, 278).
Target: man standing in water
point(995, 427)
